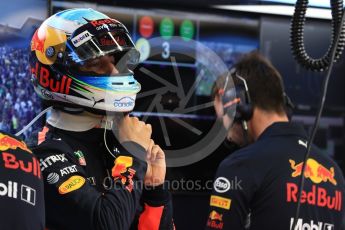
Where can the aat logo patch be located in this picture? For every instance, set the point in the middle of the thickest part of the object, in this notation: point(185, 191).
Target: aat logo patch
point(72, 184)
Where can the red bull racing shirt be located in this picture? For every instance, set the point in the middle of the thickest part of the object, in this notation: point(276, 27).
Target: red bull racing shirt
point(21, 186)
point(261, 182)
point(85, 188)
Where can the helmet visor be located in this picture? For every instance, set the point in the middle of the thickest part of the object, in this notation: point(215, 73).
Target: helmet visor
point(103, 45)
point(114, 64)
point(90, 42)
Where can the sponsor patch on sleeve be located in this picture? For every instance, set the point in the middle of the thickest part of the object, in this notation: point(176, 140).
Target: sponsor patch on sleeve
point(215, 220)
point(122, 171)
point(220, 202)
point(72, 184)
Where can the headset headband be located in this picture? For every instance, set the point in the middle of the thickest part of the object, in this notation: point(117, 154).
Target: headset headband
point(248, 103)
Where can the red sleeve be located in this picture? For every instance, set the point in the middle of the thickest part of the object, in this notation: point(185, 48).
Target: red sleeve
point(157, 212)
point(150, 218)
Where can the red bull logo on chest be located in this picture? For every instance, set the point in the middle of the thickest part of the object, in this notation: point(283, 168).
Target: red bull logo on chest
point(314, 171)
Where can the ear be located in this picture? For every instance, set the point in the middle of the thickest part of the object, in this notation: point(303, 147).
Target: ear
point(245, 112)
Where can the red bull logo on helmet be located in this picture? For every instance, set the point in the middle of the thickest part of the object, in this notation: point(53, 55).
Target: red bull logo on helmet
point(49, 83)
point(37, 42)
point(7, 142)
point(100, 22)
point(47, 42)
point(315, 171)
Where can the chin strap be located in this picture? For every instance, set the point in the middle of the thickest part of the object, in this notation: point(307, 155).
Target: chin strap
point(33, 121)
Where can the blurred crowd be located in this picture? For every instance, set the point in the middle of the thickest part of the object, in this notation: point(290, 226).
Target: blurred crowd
point(19, 104)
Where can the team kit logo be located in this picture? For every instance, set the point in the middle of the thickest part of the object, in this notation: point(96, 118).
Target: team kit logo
point(25, 163)
point(14, 162)
point(81, 159)
point(68, 170)
point(53, 178)
point(316, 172)
point(122, 171)
point(222, 185)
point(7, 142)
point(49, 161)
point(318, 195)
point(72, 184)
point(312, 225)
point(15, 190)
point(215, 220)
point(220, 202)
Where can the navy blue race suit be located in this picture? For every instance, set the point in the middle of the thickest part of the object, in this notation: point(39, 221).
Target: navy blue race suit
point(261, 182)
point(85, 188)
point(21, 186)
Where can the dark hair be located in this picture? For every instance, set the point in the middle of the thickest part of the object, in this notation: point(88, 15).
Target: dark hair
point(264, 82)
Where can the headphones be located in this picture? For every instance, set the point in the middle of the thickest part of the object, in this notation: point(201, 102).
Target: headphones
point(240, 96)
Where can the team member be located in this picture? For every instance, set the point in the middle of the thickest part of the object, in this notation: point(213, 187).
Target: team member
point(263, 178)
point(79, 61)
point(21, 186)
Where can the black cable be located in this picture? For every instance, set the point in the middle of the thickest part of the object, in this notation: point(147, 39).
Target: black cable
point(297, 32)
point(317, 120)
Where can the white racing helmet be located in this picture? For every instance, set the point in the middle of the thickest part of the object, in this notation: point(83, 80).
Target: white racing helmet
point(70, 39)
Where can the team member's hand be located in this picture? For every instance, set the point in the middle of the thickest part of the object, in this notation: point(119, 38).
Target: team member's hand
point(131, 129)
point(156, 166)
point(235, 130)
point(218, 106)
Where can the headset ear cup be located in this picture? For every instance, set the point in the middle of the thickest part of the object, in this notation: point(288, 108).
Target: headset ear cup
point(247, 112)
point(244, 112)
